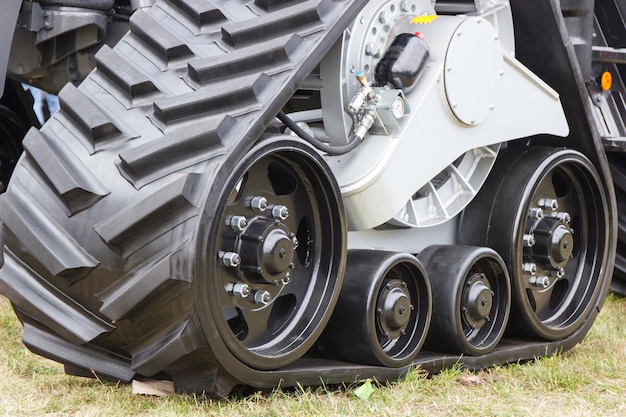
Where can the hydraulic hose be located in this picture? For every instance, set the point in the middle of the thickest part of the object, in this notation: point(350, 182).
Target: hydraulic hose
point(329, 149)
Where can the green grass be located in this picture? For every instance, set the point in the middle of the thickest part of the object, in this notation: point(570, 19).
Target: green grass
point(590, 380)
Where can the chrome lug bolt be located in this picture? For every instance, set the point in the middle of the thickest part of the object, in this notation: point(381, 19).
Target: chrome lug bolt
point(529, 268)
point(258, 204)
point(558, 272)
point(231, 259)
point(238, 223)
point(262, 297)
point(529, 240)
point(241, 290)
point(548, 203)
point(563, 216)
point(535, 213)
point(280, 212)
point(543, 282)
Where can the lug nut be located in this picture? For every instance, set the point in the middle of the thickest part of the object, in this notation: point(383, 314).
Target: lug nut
point(287, 278)
point(231, 259)
point(535, 213)
point(563, 216)
point(258, 204)
point(529, 268)
point(241, 290)
point(543, 282)
point(529, 240)
point(548, 203)
point(558, 272)
point(262, 297)
point(280, 212)
point(238, 223)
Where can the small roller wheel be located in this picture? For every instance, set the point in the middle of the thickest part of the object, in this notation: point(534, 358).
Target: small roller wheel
point(471, 298)
point(383, 312)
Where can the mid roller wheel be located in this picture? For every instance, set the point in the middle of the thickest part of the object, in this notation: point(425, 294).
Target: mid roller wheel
point(548, 218)
point(471, 298)
point(270, 286)
point(383, 312)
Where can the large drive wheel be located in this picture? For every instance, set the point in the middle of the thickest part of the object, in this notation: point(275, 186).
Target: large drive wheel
point(471, 298)
point(383, 312)
point(274, 253)
point(545, 212)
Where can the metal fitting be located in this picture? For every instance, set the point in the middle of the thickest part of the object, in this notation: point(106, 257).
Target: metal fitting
point(258, 204)
point(231, 259)
point(280, 212)
point(241, 290)
point(548, 203)
point(543, 281)
point(262, 297)
point(558, 272)
point(529, 268)
point(238, 223)
point(535, 213)
point(528, 240)
point(562, 216)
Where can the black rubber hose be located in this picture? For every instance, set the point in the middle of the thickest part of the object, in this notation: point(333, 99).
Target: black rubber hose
point(85, 4)
point(331, 150)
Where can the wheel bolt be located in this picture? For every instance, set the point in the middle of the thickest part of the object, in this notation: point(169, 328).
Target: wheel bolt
point(280, 212)
point(238, 223)
point(294, 241)
point(529, 268)
point(529, 240)
point(241, 290)
point(287, 278)
point(258, 204)
point(543, 282)
point(558, 272)
point(262, 297)
point(535, 213)
point(231, 259)
point(563, 216)
point(548, 203)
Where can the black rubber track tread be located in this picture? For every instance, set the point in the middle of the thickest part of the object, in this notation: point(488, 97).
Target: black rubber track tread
point(295, 19)
point(274, 55)
point(72, 180)
point(40, 235)
point(202, 12)
point(40, 300)
point(128, 78)
point(94, 361)
point(161, 273)
point(161, 40)
point(138, 285)
point(180, 149)
point(618, 172)
point(95, 125)
point(137, 225)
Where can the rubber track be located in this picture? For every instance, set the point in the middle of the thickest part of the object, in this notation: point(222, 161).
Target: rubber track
point(100, 218)
point(617, 163)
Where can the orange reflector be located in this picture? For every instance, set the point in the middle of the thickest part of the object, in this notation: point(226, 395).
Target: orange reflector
point(606, 81)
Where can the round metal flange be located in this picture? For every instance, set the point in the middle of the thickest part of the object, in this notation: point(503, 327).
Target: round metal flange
point(473, 71)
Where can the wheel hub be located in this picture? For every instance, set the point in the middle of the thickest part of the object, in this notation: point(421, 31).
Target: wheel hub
point(554, 242)
point(394, 309)
point(267, 248)
point(477, 301)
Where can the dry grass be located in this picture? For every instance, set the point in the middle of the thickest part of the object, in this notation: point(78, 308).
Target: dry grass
point(587, 381)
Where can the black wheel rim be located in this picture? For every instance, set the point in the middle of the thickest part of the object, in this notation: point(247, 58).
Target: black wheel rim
point(484, 302)
point(402, 314)
point(559, 245)
point(272, 285)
